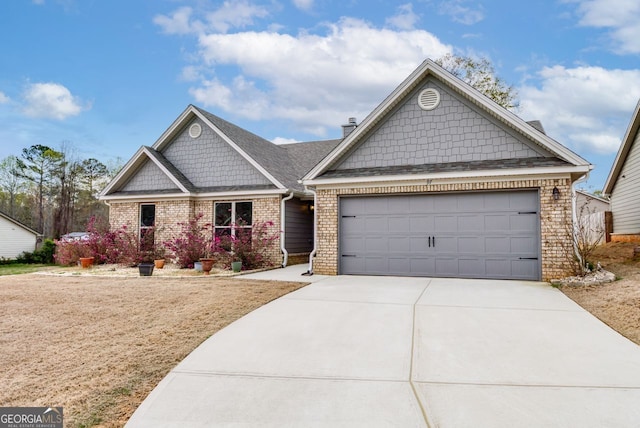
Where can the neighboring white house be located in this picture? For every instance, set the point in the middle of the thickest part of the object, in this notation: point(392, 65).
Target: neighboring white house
point(623, 184)
point(15, 237)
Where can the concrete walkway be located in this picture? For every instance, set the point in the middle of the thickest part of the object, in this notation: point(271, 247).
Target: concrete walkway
point(408, 352)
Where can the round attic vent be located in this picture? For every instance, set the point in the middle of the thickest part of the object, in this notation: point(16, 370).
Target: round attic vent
point(195, 130)
point(429, 99)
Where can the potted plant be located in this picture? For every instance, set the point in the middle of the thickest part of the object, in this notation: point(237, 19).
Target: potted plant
point(146, 250)
point(236, 266)
point(159, 255)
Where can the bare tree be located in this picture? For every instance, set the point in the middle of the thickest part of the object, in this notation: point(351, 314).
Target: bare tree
point(480, 74)
point(11, 181)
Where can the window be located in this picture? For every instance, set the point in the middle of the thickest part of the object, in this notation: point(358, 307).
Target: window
point(233, 218)
point(147, 224)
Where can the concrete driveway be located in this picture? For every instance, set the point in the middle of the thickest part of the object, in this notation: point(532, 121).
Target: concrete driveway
point(408, 352)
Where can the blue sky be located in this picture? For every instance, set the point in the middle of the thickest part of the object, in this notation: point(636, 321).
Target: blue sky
point(105, 77)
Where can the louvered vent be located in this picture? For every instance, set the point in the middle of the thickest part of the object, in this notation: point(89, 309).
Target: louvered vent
point(429, 99)
point(195, 130)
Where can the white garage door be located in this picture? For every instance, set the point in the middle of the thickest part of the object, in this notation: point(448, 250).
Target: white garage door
point(462, 235)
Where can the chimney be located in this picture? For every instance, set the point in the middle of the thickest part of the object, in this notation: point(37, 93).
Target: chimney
point(349, 127)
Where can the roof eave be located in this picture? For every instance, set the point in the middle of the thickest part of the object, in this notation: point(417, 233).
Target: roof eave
point(573, 171)
point(623, 152)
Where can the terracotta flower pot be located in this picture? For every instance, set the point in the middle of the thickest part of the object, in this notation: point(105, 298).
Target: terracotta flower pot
point(207, 265)
point(159, 263)
point(86, 262)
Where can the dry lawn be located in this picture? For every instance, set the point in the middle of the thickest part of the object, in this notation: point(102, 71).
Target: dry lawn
point(98, 346)
point(617, 303)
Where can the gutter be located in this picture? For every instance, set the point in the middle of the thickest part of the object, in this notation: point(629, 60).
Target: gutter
point(315, 231)
point(285, 253)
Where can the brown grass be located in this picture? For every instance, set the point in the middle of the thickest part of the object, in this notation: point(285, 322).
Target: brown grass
point(617, 303)
point(98, 346)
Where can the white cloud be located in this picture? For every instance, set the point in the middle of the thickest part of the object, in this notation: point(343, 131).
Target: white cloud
point(231, 14)
point(620, 16)
point(3, 98)
point(305, 5)
point(51, 100)
point(405, 19)
point(313, 80)
point(461, 13)
point(584, 107)
point(281, 140)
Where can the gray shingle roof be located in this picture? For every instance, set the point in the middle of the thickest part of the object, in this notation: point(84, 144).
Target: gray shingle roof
point(172, 169)
point(447, 167)
point(286, 163)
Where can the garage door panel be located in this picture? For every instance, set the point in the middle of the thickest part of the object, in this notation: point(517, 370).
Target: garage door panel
point(445, 223)
point(476, 235)
point(470, 245)
point(397, 224)
point(421, 266)
point(376, 244)
point(470, 222)
point(496, 222)
point(400, 244)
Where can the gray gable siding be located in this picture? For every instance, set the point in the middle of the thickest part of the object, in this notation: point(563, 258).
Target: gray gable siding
point(625, 197)
point(455, 131)
point(209, 161)
point(149, 178)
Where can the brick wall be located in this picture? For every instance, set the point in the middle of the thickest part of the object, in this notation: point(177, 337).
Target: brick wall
point(169, 213)
point(555, 219)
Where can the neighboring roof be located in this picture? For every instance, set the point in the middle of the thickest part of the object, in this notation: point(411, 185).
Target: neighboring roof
point(429, 68)
point(282, 165)
point(591, 195)
point(18, 223)
point(623, 151)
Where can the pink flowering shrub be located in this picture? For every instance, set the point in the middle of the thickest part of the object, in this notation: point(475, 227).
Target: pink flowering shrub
point(249, 246)
point(192, 243)
point(105, 246)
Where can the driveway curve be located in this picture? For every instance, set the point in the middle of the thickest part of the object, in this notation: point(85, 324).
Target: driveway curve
point(351, 351)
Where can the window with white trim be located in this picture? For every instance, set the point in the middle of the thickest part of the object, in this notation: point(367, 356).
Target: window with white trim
point(147, 225)
point(233, 218)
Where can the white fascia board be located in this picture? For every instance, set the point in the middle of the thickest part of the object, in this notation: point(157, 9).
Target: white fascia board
point(124, 172)
point(241, 194)
point(165, 171)
point(237, 148)
point(466, 175)
point(173, 129)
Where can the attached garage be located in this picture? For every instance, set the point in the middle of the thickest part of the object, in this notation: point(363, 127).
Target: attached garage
point(464, 235)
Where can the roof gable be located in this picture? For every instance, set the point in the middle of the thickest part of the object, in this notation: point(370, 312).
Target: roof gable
point(628, 144)
point(455, 131)
point(428, 70)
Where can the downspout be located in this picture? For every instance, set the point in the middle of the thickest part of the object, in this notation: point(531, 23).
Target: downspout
point(315, 231)
point(575, 218)
point(285, 253)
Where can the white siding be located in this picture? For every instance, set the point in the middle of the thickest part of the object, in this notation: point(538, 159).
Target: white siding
point(14, 239)
point(625, 197)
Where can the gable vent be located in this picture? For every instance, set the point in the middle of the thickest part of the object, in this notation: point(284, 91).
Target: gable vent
point(195, 130)
point(429, 99)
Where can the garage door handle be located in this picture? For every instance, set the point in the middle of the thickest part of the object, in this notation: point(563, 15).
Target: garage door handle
point(528, 258)
point(429, 242)
point(527, 212)
point(348, 255)
point(432, 241)
point(348, 216)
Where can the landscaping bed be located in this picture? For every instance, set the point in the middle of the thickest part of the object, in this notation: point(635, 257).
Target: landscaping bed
point(98, 346)
point(616, 303)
